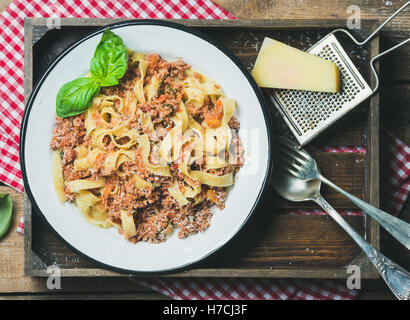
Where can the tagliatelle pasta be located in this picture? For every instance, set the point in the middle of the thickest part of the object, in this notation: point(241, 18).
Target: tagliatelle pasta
point(152, 154)
point(84, 184)
point(58, 179)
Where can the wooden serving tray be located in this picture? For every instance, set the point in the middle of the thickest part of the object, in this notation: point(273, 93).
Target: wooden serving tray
point(272, 244)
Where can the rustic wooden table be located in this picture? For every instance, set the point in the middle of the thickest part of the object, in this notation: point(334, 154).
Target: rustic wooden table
point(395, 116)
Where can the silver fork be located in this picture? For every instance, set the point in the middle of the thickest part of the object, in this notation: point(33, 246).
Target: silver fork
point(303, 166)
point(295, 189)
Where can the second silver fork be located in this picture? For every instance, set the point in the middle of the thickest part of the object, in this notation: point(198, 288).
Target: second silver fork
point(303, 166)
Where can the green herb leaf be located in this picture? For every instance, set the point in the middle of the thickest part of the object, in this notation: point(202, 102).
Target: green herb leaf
point(75, 96)
point(6, 209)
point(110, 60)
point(160, 91)
point(109, 64)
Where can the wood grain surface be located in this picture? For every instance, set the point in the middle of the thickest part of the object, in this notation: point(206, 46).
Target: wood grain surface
point(395, 116)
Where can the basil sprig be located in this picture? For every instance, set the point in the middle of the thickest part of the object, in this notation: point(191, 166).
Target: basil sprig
point(75, 96)
point(110, 60)
point(108, 65)
point(6, 210)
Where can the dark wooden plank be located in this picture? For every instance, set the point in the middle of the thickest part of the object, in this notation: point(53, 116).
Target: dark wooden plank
point(271, 272)
point(28, 85)
point(318, 10)
point(88, 296)
point(381, 294)
point(395, 66)
point(372, 155)
point(291, 242)
point(375, 290)
point(224, 23)
point(392, 248)
point(394, 109)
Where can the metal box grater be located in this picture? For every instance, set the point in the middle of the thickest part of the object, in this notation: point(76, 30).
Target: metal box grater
point(307, 113)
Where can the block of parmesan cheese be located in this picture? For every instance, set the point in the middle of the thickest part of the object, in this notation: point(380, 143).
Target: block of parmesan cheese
point(281, 66)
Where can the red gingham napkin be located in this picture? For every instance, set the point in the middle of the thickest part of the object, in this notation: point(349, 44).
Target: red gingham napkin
point(250, 289)
point(11, 111)
point(395, 161)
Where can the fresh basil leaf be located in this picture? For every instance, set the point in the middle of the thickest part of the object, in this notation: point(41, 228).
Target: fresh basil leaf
point(110, 60)
point(75, 96)
point(6, 210)
point(109, 64)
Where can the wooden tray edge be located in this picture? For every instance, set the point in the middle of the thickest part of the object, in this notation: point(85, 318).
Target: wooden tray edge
point(217, 23)
point(337, 273)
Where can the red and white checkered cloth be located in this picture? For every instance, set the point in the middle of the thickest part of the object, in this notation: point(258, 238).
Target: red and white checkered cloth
point(395, 173)
point(11, 112)
point(250, 289)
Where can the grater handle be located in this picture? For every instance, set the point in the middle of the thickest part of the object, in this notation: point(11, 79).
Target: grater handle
point(374, 59)
point(375, 32)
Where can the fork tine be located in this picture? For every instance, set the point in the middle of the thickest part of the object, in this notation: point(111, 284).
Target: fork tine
point(290, 159)
point(288, 169)
point(290, 146)
point(289, 164)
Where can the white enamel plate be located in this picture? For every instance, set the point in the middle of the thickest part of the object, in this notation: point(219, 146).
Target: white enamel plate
point(105, 246)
